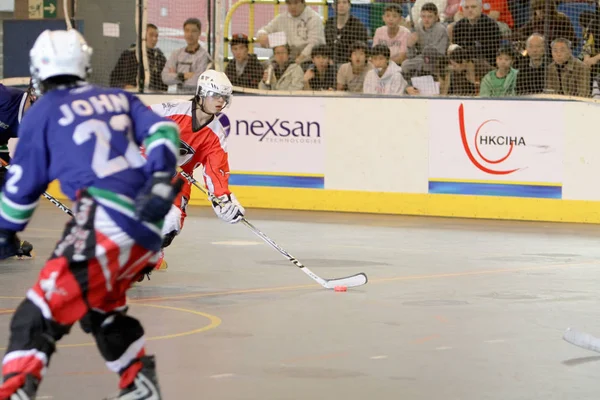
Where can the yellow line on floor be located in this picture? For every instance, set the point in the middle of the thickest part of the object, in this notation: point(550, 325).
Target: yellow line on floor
point(214, 322)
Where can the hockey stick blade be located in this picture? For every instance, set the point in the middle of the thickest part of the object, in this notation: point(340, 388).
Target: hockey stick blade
point(582, 339)
point(349, 281)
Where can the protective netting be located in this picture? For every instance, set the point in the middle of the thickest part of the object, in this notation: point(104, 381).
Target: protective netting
point(489, 48)
point(495, 48)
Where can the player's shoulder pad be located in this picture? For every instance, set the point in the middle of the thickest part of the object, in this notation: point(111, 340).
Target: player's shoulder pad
point(173, 107)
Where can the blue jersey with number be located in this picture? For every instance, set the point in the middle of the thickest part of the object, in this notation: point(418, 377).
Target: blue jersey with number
point(89, 138)
point(12, 103)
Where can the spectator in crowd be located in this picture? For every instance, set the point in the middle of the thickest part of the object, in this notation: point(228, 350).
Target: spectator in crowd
point(466, 72)
point(415, 12)
point(303, 28)
point(429, 33)
point(591, 38)
point(386, 76)
point(497, 10)
point(500, 82)
point(546, 20)
point(342, 30)
point(532, 67)
point(567, 75)
point(187, 63)
point(321, 74)
point(393, 34)
point(477, 32)
point(434, 65)
point(282, 73)
point(351, 75)
point(244, 70)
point(125, 73)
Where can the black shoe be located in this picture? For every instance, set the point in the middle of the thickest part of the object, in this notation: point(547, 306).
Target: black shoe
point(25, 249)
point(28, 390)
point(145, 386)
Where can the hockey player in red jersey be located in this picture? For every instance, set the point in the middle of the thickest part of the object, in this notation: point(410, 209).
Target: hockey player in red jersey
point(203, 143)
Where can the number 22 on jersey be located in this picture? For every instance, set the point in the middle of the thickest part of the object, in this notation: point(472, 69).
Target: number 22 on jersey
point(102, 164)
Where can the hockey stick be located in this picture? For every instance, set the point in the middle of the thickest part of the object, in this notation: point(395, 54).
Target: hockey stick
point(58, 204)
point(582, 339)
point(349, 281)
point(46, 195)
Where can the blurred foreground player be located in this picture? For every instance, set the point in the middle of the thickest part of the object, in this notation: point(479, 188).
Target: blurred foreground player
point(203, 142)
point(88, 138)
point(13, 104)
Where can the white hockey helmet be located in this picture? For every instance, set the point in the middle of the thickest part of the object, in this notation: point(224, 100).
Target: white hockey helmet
point(57, 53)
point(214, 83)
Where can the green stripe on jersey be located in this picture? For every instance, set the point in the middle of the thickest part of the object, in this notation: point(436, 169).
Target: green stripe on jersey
point(16, 213)
point(168, 131)
point(120, 203)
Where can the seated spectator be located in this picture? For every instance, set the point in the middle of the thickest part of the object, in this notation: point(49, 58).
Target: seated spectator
point(393, 34)
point(351, 76)
point(546, 20)
point(429, 33)
point(415, 12)
point(477, 32)
point(386, 76)
point(500, 82)
point(466, 73)
point(434, 65)
point(303, 29)
point(591, 39)
point(186, 64)
point(342, 30)
point(244, 70)
point(321, 74)
point(125, 73)
point(567, 75)
point(282, 73)
point(497, 10)
point(532, 67)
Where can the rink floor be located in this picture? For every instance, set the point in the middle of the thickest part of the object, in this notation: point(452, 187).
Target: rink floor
point(454, 309)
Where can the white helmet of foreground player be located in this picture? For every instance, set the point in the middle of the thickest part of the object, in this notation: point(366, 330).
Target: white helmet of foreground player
point(214, 91)
point(59, 53)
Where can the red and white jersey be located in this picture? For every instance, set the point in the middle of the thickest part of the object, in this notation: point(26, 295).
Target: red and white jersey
point(200, 146)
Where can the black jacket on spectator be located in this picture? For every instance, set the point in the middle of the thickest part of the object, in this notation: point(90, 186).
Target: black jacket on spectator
point(530, 80)
point(482, 37)
point(339, 40)
point(250, 76)
point(126, 70)
point(326, 81)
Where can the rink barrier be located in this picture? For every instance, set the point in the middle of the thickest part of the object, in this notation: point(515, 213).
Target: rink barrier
point(538, 161)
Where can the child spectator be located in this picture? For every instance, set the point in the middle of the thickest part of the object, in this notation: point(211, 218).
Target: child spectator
point(393, 34)
point(429, 33)
point(466, 73)
point(386, 76)
point(501, 81)
point(321, 74)
point(351, 75)
point(282, 73)
point(244, 70)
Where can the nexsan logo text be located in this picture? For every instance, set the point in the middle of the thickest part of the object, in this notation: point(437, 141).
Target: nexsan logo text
point(264, 128)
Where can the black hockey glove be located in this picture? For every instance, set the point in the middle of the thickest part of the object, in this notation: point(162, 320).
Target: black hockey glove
point(9, 244)
point(3, 171)
point(155, 200)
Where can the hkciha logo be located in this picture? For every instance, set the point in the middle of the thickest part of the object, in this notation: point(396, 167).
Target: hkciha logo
point(492, 144)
